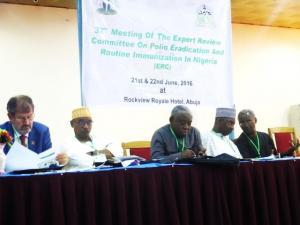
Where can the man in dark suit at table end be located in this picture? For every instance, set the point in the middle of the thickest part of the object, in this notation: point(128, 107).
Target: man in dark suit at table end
point(33, 135)
point(254, 144)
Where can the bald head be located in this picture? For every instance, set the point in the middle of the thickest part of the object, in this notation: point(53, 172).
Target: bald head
point(246, 113)
point(247, 121)
point(181, 120)
point(180, 109)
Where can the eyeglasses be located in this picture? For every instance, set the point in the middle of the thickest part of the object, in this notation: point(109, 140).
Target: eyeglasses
point(24, 118)
point(83, 122)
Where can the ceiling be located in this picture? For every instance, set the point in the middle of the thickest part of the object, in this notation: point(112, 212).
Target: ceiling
point(278, 13)
point(71, 4)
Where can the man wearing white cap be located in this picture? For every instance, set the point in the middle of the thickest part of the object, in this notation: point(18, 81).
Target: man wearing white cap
point(81, 148)
point(217, 141)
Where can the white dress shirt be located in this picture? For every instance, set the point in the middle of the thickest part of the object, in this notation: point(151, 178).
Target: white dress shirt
point(77, 151)
point(216, 144)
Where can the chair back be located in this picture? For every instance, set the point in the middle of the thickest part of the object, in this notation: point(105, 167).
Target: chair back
point(282, 137)
point(139, 148)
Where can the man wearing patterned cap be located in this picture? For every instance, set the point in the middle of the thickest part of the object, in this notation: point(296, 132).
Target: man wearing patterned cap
point(217, 141)
point(83, 146)
point(178, 139)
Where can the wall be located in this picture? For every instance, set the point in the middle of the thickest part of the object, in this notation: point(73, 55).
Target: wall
point(39, 57)
point(266, 72)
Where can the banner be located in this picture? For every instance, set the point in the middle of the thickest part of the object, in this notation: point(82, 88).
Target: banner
point(155, 52)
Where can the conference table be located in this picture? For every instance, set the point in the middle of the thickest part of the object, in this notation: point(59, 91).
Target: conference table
point(253, 192)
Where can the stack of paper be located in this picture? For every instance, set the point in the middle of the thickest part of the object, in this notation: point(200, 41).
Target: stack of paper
point(21, 158)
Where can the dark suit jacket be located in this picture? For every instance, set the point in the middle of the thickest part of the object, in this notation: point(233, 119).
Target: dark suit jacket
point(247, 150)
point(38, 139)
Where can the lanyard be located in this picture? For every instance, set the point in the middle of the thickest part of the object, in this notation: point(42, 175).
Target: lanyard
point(257, 147)
point(178, 141)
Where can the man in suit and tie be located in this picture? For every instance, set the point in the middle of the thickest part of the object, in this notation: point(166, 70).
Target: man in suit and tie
point(33, 135)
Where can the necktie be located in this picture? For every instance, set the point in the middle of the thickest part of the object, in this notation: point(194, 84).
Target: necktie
point(23, 140)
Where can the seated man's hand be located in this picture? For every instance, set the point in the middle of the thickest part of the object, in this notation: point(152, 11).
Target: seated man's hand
point(294, 148)
point(188, 154)
point(107, 153)
point(202, 152)
point(296, 145)
point(62, 159)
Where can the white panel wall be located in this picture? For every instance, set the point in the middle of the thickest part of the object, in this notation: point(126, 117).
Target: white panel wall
point(294, 118)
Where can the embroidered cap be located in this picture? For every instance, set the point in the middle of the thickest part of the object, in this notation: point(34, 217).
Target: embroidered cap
point(225, 112)
point(82, 112)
